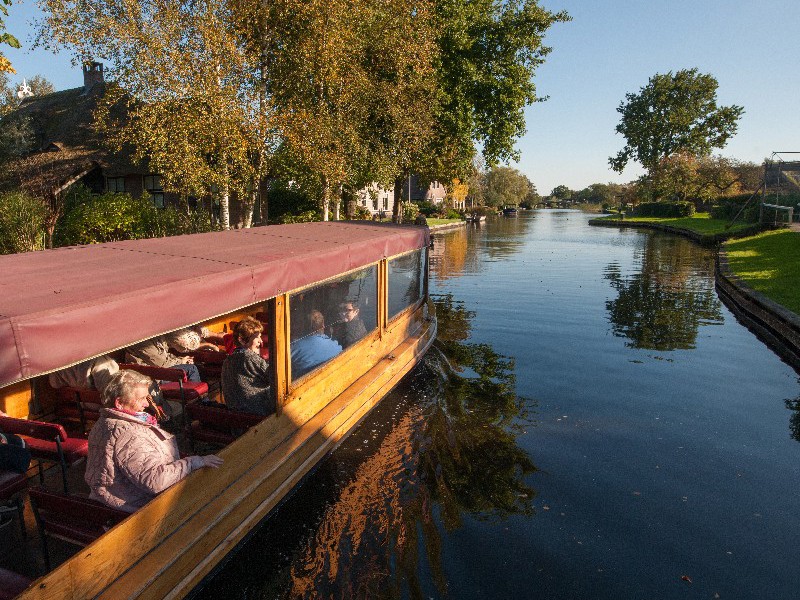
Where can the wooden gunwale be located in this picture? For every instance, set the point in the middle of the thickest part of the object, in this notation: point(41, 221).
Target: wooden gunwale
point(166, 548)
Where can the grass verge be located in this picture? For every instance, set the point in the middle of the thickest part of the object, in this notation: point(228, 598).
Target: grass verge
point(769, 263)
point(700, 223)
point(432, 222)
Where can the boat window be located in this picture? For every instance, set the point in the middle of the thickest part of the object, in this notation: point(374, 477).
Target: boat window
point(406, 281)
point(331, 317)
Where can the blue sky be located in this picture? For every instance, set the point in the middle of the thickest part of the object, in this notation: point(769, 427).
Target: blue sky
point(612, 47)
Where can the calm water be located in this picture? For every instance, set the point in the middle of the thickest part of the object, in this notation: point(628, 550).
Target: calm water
point(594, 423)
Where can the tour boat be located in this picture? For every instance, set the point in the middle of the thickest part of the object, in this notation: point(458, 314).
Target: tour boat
point(63, 306)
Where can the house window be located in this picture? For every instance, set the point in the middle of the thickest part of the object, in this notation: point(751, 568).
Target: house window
point(386, 203)
point(152, 183)
point(374, 204)
point(115, 184)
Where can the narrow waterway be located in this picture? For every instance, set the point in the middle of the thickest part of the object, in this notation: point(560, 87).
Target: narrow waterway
point(593, 423)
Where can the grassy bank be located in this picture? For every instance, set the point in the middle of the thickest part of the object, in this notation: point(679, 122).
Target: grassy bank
point(700, 223)
point(433, 222)
point(769, 263)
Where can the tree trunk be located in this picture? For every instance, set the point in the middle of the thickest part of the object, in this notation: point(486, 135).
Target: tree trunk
point(224, 207)
point(338, 205)
point(249, 207)
point(397, 210)
point(326, 197)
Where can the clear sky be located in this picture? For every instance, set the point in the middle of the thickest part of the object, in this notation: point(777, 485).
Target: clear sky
point(611, 47)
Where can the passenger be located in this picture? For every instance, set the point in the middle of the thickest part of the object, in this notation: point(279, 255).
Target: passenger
point(312, 349)
point(156, 353)
point(131, 459)
point(93, 374)
point(349, 328)
point(14, 453)
point(245, 373)
point(191, 339)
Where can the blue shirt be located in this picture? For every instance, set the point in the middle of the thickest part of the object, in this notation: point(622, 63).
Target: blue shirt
point(310, 351)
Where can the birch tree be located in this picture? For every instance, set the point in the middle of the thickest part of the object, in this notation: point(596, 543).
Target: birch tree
point(186, 96)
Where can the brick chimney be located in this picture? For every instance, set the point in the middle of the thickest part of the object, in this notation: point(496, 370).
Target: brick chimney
point(92, 76)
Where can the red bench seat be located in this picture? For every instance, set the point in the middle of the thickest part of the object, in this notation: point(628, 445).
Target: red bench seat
point(48, 441)
point(75, 519)
point(177, 386)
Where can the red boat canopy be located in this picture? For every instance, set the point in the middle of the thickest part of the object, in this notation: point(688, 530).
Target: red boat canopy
point(60, 307)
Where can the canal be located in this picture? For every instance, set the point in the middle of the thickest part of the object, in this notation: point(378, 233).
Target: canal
point(592, 423)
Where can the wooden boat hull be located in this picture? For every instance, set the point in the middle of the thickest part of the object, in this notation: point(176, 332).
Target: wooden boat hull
point(166, 549)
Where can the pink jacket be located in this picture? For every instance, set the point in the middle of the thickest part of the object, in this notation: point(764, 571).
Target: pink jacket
point(130, 461)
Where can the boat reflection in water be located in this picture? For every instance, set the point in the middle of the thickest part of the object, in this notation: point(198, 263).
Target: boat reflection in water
point(441, 449)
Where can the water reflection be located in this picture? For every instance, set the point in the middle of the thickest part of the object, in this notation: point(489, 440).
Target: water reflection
point(445, 448)
point(662, 306)
point(794, 417)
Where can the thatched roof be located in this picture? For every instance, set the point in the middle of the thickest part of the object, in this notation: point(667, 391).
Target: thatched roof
point(67, 143)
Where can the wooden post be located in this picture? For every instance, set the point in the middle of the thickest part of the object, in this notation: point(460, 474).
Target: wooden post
point(383, 296)
point(279, 350)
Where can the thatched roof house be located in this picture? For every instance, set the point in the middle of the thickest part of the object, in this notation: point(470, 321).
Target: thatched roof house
point(67, 146)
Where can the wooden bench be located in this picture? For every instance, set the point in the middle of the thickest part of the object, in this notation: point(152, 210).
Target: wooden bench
point(177, 386)
point(217, 425)
point(74, 519)
point(48, 441)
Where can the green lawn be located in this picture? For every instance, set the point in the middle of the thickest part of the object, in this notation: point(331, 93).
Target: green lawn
point(769, 263)
point(432, 222)
point(701, 223)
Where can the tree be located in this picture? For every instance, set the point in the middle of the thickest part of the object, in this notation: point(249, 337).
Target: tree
point(673, 113)
point(6, 38)
point(9, 100)
point(488, 54)
point(354, 103)
point(190, 95)
point(684, 177)
point(561, 192)
point(506, 186)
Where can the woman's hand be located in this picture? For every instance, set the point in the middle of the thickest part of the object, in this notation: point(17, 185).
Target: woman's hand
point(211, 460)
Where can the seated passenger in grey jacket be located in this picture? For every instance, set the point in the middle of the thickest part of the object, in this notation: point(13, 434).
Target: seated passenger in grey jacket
point(131, 459)
point(245, 374)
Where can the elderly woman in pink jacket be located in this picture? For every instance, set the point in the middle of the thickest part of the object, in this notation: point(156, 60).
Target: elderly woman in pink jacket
point(131, 459)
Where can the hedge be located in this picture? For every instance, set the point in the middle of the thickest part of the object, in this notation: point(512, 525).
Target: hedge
point(665, 210)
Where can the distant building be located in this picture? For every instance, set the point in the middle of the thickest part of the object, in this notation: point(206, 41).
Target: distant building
point(376, 199)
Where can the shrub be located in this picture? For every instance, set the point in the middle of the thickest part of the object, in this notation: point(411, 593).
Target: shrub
point(22, 223)
point(108, 218)
point(361, 213)
point(308, 216)
point(728, 208)
point(410, 212)
point(427, 208)
point(664, 210)
point(452, 214)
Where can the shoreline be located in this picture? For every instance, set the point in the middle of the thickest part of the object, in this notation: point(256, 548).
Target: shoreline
point(707, 240)
point(772, 323)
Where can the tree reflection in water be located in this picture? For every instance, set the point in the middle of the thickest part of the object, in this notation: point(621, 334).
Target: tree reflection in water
point(794, 417)
point(663, 306)
point(369, 523)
